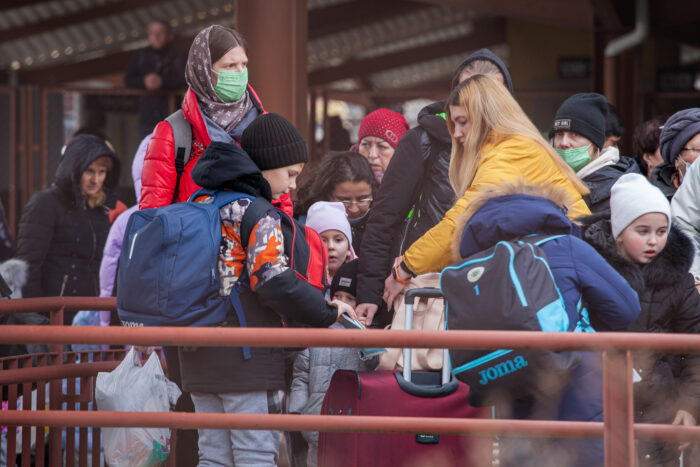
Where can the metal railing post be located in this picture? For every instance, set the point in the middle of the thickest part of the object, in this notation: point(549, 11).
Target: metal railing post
point(618, 414)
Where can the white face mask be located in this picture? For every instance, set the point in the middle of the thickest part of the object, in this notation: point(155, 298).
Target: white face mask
point(688, 165)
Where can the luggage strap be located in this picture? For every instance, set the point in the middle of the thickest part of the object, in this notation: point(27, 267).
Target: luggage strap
point(234, 297)
point(182, 133)
point(222, 198)
point(253, 213)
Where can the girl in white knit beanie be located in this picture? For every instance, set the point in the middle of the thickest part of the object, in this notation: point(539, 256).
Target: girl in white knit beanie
point(640, 217)
point(654, 257)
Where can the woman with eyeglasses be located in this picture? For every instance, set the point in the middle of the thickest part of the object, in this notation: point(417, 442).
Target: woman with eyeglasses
point(345, 177)
point(679, 142)
point(380, 132)
point(680, 147)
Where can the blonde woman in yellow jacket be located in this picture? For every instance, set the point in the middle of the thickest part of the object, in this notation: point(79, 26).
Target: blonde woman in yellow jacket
point(493, 141)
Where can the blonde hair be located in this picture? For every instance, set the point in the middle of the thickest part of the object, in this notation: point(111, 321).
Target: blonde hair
point(99, 198)
point(479, 66)
point(493, 114)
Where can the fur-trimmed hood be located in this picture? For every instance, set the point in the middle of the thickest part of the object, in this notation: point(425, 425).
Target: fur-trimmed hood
point(669, 267)
point(508, 211)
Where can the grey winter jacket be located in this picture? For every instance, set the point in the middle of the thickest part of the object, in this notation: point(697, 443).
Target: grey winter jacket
point(313, 370)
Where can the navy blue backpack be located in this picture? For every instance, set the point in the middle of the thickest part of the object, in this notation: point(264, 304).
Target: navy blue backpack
point(168, 267)
point(168, 264)
point(509, 286)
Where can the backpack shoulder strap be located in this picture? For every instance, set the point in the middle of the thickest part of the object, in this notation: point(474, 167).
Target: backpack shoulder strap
point(182, 133)
point(257, 209)
point(221, 197)
point(539, 240)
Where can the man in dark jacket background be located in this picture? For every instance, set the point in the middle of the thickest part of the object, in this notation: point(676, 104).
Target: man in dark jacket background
point(156, 67)
point(415, 192)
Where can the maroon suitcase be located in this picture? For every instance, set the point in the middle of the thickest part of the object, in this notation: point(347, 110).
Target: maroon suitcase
point(421, 394)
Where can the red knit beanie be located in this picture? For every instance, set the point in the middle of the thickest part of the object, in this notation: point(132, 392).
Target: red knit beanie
point(385, 124)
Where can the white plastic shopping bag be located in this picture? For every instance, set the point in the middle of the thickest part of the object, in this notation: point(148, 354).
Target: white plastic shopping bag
point(135, 388)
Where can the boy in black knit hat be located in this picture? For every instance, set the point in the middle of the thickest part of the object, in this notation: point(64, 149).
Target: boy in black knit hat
point(344, 283)
point(252, 380)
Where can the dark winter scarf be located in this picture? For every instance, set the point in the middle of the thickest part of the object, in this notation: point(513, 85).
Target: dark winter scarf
point(199, 78)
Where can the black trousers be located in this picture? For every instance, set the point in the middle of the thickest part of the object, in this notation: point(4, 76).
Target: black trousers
point(186, 448)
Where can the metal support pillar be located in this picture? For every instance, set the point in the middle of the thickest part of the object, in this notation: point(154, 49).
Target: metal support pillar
point(12, 215)
point(326, 143)
point(276, 32)
point(620, 88)
point(311, 138)
point(610, 80)
point(618, 410)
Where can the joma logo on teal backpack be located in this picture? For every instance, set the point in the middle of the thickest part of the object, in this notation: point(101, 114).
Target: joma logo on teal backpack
point(502, 369)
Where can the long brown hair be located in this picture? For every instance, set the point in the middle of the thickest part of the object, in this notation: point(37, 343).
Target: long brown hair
point(493, 114)
point(336, 168)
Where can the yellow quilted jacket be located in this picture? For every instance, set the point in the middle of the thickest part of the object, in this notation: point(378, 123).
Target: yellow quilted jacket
point(513, 159)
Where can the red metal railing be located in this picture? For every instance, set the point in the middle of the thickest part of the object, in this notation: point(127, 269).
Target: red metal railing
point(53, 381)
point(618, 429)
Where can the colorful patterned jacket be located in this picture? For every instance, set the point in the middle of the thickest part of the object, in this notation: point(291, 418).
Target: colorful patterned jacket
point(275, 290)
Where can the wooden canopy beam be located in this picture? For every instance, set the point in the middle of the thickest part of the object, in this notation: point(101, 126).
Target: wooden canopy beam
point(82, 16)
point(675, 13)
point(74, 71)
point(572, 13)
point(486, 33)
point(606, 14)
point(338, 18)
point(15, 4)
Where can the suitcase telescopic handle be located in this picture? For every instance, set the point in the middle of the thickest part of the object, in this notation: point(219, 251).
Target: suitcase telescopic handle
point(409, 300)
point(428, 292)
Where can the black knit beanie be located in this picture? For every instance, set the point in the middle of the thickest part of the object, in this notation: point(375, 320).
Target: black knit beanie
point(273, 142)
point(345, 278)
point(584, 114)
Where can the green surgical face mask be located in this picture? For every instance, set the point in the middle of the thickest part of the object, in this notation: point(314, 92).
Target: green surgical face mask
point(577, 158)
point(230, 85)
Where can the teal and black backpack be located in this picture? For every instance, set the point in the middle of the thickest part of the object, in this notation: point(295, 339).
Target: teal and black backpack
point(509, 286)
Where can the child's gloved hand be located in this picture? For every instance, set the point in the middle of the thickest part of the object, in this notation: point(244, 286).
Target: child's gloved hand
point(344, 308)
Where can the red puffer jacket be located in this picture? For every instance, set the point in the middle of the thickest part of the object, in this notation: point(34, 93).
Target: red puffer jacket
point(159, 176)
